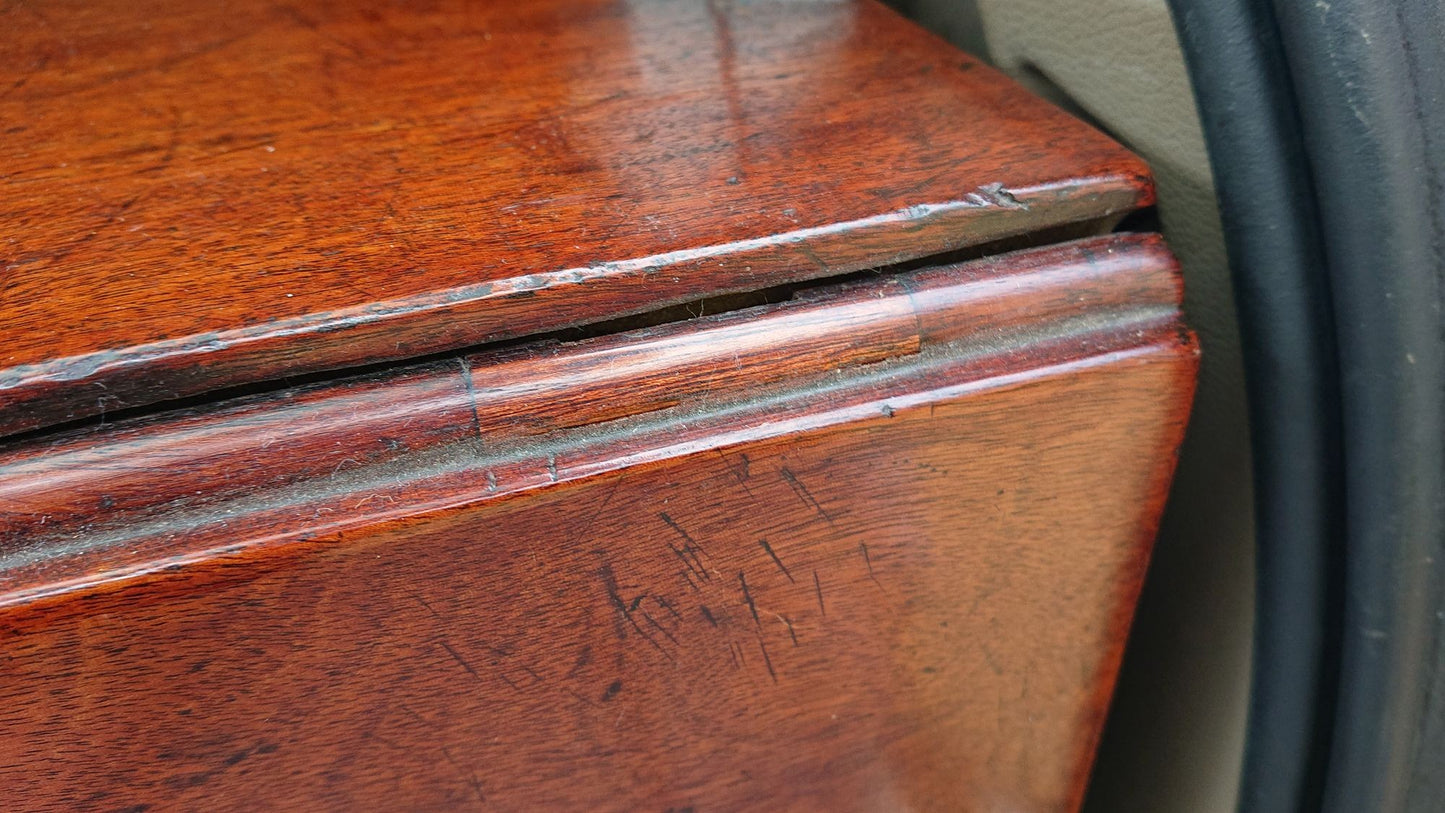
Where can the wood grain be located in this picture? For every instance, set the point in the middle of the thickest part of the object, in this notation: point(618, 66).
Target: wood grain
point(891, 574)
point(958, 579)
point(195, 195)
point(118, 475)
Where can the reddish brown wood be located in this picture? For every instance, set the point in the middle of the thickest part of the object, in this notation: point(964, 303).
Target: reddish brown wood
point(118, 475)
point(888, 564)
point(195, 195)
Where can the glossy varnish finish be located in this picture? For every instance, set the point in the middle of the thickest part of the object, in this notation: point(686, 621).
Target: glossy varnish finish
point(196, 195)
point(113, 477)
point(887, 564)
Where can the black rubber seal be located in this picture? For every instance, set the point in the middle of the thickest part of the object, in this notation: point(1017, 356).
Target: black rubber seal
point(1369, 77)
point(1326, 124)
point(1267, 205)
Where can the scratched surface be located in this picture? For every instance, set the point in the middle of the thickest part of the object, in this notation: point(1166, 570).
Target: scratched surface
point(196, 195)
point(921, 609)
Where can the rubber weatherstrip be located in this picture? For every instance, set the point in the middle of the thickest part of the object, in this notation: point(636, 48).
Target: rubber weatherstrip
point(1369, 80)
point(1248, 110)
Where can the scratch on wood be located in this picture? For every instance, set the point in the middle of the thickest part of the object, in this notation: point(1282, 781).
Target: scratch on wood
point(818, 588)
point(803, 493)
point(602, 506)
point(525, 668)
point(682, 557)
point(659, 627)
point(423, 603)
point(471, 776)
point(767, 661)
point(467, 666)
point(667, 605)
point(693, 544)
point(584, 658)
point(690, 546)
point(609, 581)
point(739, 472)
point(779, 562)
point(867, 560)
point(687, 578)
point(748, 597)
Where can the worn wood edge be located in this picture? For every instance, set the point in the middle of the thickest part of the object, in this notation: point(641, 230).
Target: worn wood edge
point(61, 390)
point(1131, 583)
point(232, 543)
point(125, 473)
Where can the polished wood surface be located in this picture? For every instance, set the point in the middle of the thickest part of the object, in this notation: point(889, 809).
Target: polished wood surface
point(195, 196)
point(887, 563)
point(109, 479)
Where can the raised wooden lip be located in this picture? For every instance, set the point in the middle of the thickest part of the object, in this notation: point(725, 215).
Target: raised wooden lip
point(33, 396)
point(860, 140)
point(107, 508)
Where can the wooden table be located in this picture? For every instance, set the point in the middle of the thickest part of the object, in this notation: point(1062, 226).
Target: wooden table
point(570, 404)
